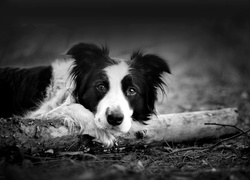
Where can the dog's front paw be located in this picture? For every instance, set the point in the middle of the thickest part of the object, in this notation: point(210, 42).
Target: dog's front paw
point(104, 137)
point(36, 115)
point(54, 115)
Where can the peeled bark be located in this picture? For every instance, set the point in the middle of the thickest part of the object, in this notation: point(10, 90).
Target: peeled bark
point(36, 136)
point(32, 135)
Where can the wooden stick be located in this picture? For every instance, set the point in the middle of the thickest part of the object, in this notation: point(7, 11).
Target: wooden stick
point(35, 136)
point(186, 126)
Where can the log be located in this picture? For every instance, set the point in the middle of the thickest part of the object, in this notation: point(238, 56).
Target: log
point(36, 136)
point(188, 126)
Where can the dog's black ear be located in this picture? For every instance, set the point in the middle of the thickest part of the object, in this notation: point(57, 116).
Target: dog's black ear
point(86, 59)
point(151, 66)
point(88, 54)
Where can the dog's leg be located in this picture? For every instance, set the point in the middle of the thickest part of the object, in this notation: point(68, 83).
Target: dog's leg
point(49, 105)
point(75, 115)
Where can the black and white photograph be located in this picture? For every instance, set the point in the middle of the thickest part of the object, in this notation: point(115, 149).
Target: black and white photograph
point(134, 89)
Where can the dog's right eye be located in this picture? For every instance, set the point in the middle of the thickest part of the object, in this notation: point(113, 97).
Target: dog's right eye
point(131, 91)
point(101, 88)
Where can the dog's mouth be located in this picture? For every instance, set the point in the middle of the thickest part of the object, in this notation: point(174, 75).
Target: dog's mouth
point(115, 130)
point(112, 129)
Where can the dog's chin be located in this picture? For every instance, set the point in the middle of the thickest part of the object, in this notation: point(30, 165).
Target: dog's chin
point(119, 129)
point(114, 130)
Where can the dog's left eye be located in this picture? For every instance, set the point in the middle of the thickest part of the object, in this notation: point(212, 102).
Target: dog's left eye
point(101, 88)
point(131, 91)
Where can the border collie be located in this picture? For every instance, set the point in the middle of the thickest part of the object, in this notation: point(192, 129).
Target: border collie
point(87, 89)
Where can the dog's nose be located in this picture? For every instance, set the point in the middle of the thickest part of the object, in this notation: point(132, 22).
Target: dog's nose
point(114, 117)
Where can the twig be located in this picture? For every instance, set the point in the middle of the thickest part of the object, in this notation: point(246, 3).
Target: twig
point(187, 149)
point(227, 125)
point(227, 139)
point(38, 158)
point(71, 153)
point(209, 147)
point(81, 153)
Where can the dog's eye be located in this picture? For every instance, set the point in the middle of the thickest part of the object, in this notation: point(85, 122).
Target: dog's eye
point(131, 91)
point(101, 88)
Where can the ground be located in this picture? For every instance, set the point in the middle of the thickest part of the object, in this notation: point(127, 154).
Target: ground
point(210, 70)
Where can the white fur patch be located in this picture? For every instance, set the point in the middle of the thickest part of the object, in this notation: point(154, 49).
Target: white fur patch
point(60, 87)
point(76, 116)
point(114, 99)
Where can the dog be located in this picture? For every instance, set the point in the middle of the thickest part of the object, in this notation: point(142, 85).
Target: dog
point(87, 89)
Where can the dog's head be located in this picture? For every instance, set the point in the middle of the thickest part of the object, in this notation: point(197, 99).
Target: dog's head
point(116, 91)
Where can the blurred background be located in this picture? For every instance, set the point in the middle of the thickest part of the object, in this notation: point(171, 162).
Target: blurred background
point(206, 43)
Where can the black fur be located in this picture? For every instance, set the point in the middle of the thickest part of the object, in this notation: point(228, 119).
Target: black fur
point(147, 71)
point(87, 72)
point(22, 89)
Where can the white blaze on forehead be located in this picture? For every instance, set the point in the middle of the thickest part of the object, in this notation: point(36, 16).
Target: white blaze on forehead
point(116, 73)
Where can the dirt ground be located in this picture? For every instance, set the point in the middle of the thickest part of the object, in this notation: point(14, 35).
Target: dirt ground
point(210, 66)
